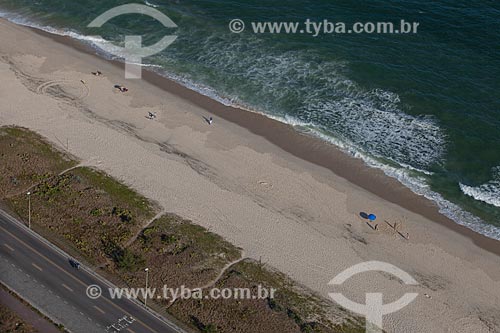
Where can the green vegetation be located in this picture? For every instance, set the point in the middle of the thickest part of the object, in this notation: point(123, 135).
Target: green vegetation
point(26, 159)
point(88, 211)
point(179, 253)
point(38, 144)
point(11, 322)
point(309, 311)
point(123, 257)
point(173, 230)
point(117, 191)
point(93, 216)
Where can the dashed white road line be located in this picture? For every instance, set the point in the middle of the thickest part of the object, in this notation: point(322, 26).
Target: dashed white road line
point(98, 309)
point(10, 248)
point(65, 286)
point(37, 267)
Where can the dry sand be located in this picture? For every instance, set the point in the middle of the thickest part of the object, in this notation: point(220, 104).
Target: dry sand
point(295, 215)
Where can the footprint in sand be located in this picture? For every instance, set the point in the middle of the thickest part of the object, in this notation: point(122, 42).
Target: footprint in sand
point(265, 184)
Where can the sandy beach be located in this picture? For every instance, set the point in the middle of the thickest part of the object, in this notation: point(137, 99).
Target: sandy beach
point(289, 200)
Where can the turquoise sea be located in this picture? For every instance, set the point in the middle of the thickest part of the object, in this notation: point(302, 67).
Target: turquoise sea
point(423, 107)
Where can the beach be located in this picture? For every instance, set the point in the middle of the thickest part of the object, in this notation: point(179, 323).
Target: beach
point(287, 199)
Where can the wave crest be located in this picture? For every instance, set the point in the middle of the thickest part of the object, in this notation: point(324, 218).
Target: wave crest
point(488, 192)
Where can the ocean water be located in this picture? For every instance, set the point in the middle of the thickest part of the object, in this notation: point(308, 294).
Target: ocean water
point(424, 107)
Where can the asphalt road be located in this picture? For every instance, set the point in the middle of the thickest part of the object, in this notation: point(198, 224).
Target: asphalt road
point(44, 265)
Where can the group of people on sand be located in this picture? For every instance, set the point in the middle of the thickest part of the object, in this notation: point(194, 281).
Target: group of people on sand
point(117, 86)
point(151, 115)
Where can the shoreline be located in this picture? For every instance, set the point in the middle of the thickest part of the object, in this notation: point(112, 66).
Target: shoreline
point(305, 147)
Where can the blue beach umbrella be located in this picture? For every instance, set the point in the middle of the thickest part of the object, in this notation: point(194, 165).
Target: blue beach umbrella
point(372, 217)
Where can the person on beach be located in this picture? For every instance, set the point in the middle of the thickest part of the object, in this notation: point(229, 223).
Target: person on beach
point(210, 120)
point(97, 73)
point(121, 88)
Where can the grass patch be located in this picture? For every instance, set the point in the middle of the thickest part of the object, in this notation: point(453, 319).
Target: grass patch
point(293, 308)
point(311, 312)
point(179, 252)
point(118, 191)
point(89, 211)
point(26, 159)
point(11, 322)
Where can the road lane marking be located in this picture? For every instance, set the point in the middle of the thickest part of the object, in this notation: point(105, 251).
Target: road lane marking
point(65, 286)
point(98, 309)
point(130, 330)
point(76, 279)
point(10, 248)
point(37, 267)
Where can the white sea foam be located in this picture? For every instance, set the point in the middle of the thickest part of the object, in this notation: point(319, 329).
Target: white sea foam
point(327, 99)
point(418, 185)
point(104, 47)
point(488, 192)
point(25, 21)
point(150, 4)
